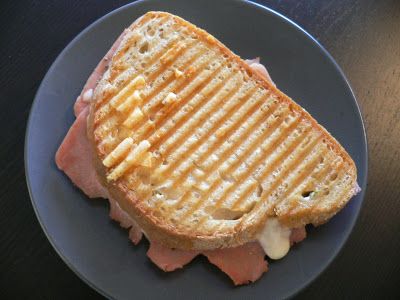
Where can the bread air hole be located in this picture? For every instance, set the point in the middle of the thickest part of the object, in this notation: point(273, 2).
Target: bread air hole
point(161, 33)
point(307, 194)
point(150, 31)
point(259, 190)
point(144, 48)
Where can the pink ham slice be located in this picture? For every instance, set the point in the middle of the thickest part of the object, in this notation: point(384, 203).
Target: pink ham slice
point(259, 68)
point(118, 215)
point(169, 259)
point(125, 221)
point(135, 234)
point(242, 264)
point(297, 235)
point(74, 157)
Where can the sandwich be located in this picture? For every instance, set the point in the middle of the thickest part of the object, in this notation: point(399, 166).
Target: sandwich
point(200, 152)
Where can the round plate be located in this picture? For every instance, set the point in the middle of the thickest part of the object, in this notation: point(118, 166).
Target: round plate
point(95, 247)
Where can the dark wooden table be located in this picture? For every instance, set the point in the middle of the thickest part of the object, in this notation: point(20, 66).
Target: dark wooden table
point(362, 35)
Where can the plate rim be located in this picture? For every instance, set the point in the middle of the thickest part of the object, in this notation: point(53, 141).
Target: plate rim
point(363, 181)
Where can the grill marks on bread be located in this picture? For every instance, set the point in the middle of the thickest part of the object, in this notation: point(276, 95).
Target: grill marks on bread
point(213, 136)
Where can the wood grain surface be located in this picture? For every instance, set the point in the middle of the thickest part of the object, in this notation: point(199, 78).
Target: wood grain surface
point(364, 38)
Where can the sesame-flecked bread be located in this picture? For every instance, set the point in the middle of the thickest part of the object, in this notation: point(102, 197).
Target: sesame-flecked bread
point(200, 150)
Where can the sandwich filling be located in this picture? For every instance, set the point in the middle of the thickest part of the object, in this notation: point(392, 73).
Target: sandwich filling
point(242, 264)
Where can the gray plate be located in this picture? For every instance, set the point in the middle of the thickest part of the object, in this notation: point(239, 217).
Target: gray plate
point(97, 249)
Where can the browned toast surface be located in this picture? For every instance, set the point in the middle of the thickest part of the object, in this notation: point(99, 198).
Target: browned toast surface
point(200, 149)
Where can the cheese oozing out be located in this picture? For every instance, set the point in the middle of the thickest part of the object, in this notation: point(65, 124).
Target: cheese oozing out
point(88, 95)
point(275, 239)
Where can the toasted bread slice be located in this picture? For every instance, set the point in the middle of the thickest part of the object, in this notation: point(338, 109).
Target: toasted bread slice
point(200, 150)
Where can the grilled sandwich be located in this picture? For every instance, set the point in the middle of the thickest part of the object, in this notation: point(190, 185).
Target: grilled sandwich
point(203, 152)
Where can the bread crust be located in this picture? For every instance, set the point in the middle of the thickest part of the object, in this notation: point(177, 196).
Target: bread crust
point(245, 232)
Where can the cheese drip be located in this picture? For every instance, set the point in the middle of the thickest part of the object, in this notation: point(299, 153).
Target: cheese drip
point(275, 239)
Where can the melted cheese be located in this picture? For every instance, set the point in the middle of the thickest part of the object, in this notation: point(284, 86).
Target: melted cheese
point(118, 152)
point(134, 118)
point(88, 95)
point(275, 239)
point(132, 101)
point(135, 157)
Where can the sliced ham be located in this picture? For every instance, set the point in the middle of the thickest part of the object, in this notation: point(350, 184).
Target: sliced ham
point(169, 259)
point(135, 234)
point(74, 157)
point(125, 221)
point(117, 214)
point(243, 264)
point(259, 68)
point(297, 235)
